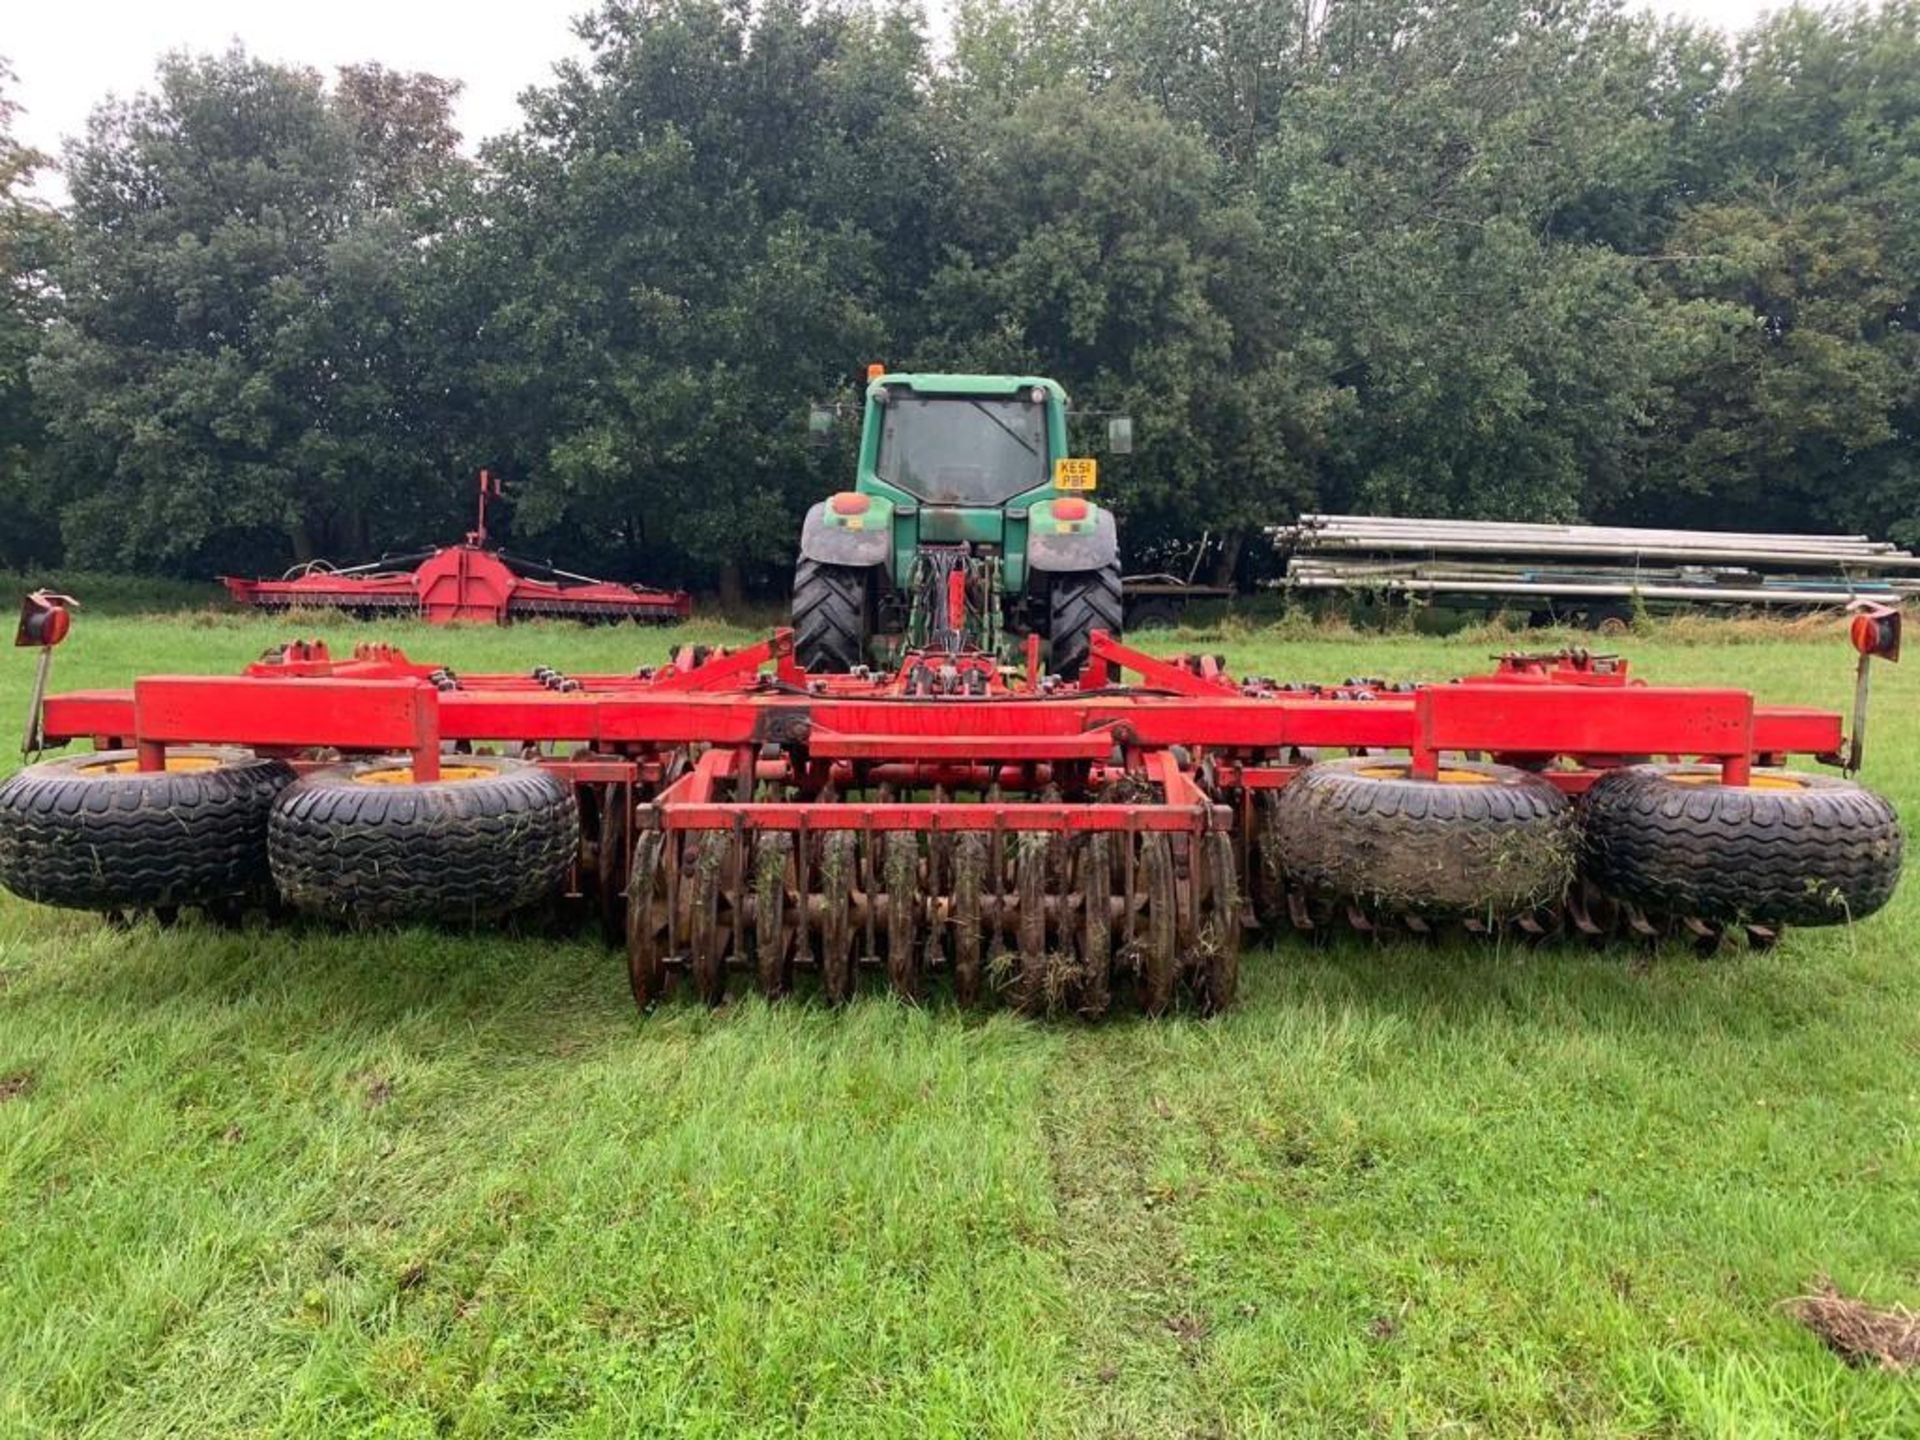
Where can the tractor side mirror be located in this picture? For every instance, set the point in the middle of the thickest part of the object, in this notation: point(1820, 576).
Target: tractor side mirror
point(820, 426)
point(1120, 435)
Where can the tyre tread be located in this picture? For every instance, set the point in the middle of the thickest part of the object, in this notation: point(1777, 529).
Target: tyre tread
point(474, 850)
point(1821, 855)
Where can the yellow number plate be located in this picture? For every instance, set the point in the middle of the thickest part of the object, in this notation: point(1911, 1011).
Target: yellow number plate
point(1081, 474)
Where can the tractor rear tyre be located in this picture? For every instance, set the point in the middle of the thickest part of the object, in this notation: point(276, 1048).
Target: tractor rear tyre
point(1788, 849)
point(1479, 841)
point(367, 843)
point(95, 832)
point(1082, 601)
point(829, 617)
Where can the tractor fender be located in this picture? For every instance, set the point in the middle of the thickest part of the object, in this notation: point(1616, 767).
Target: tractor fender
point(835, 538)
point(1090, 542)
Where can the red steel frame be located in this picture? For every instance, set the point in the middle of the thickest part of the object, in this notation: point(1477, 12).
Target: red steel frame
point(1175, 723)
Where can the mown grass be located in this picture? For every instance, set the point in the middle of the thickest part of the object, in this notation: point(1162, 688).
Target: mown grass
point(297, 1182)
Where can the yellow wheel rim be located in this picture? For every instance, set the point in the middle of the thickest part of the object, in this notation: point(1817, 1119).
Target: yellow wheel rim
point(403, 775)
point(1758, 782)
point(1448, 775)
point(176, 764)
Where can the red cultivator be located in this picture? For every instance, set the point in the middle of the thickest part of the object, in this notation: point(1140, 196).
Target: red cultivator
point(468, 581)
point(1064, 843)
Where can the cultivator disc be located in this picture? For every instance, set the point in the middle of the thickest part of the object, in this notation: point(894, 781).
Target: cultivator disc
point(1051, 923)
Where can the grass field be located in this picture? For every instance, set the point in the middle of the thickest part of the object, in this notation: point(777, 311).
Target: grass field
point(296, 1182)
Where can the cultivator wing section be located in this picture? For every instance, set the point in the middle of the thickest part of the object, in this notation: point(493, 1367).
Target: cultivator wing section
point(740, 824)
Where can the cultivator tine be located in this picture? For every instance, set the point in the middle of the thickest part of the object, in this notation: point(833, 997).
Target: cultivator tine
point(903, 914)
point(773, 859)
point(1636, 925)
point(1096, 925)
point(1273, 901)
point(1158, 941)
point(803, 871)
point(995, 907)
point(1217, 940)
point(612, 852)
point(1584, 914)
point(1031, 864)
point(647, 919)
point(939, 891)
point(969, 867)
point(708, 940)
point(1298, 913)
point(869, 884)
point(1705, 937)
point(838, 859)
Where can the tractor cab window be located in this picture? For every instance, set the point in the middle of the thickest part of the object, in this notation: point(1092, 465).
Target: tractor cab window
point(963, 449)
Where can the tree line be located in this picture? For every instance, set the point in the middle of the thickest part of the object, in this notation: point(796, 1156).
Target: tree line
point(1543, 261)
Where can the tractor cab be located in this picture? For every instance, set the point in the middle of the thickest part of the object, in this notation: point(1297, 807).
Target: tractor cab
point(968, 521)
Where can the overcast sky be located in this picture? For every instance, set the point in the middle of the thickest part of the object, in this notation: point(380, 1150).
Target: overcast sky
point(66, 57)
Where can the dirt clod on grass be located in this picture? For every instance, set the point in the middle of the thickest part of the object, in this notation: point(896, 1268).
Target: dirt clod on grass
point(12, 1087)
point(1859, 1333)
point(1188, 1328)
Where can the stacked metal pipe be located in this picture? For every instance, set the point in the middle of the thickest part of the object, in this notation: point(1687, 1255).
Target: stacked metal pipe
point(1573, 567)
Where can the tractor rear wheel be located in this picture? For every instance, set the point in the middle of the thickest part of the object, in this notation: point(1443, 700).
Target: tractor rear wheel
point(96, 832)
point(368, 843)
point(1787, 849)
point(1477, 841)
point(829, 616)
point(1082, 601)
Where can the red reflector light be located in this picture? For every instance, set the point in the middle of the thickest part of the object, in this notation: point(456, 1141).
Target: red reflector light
point(44, 619)
point(1072, 508)
point(1867, 638)
point(1875, 630)
point(849, 502)
point(1863, 634)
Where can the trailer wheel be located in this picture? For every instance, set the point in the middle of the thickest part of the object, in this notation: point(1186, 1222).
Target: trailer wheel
point(95, 832)
point(370, 844)
point(1081, 602)
point(1153, 612)
point(1479, 840)
point(1788, 849)
point(829, 617)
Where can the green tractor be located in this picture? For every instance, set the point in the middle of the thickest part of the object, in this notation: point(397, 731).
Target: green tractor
point(968, 523)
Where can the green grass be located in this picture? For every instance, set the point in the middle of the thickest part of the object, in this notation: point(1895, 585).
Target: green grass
point(296, 1182)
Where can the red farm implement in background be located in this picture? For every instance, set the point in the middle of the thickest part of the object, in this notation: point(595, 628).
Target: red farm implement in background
point(1066, 843)
point(468, 581)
